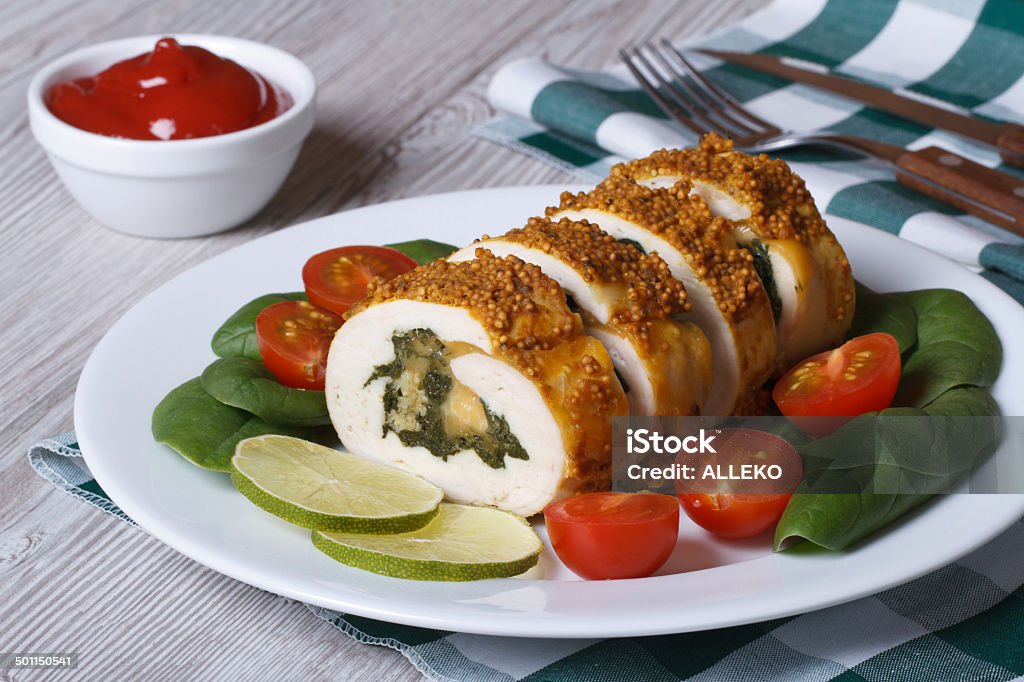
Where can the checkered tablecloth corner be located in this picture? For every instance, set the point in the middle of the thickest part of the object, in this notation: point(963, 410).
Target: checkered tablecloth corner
point(968, 54)
point(964, 621)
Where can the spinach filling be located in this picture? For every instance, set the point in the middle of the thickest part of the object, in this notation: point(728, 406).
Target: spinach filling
point(425, 406)
point(633, 244)
point(622, 380)
point(763, 268)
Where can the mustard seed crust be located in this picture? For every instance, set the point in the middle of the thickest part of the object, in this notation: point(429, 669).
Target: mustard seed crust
point(684, 221)
point(650, 291)
point(578, 382)
point(520, 307)
point(677, 357)
point(779, 203)
point(780, 206)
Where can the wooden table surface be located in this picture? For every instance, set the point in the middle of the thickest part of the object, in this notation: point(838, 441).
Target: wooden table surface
point(401, 84)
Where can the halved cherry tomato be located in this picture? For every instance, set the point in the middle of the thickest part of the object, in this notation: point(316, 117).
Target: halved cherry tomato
point(735, 516)
point(860, 376)
point(604, 536)
point(742, 461)
point(293, 337)
point(740, 508)
point(336, 279)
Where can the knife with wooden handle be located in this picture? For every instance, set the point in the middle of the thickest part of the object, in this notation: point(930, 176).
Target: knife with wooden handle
point(1007, 138)
point(948, 177)
point(969, 186)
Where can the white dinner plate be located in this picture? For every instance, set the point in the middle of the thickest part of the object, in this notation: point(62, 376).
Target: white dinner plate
point(165, 340)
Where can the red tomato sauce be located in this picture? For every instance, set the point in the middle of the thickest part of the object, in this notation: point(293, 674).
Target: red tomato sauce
point(175, 92)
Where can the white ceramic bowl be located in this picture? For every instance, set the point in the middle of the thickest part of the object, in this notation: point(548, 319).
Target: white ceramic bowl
point(175, 188)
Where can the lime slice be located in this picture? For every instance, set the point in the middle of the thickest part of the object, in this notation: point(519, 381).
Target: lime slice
point(324, 489)
point(461, 543)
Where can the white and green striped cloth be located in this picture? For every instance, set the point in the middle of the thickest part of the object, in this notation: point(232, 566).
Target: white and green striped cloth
point(963, 622)
point(968, 54)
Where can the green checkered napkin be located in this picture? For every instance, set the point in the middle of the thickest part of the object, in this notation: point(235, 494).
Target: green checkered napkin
point(968, 54)
point(963, 622)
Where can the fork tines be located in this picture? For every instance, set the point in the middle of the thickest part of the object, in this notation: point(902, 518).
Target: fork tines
point(687, 96)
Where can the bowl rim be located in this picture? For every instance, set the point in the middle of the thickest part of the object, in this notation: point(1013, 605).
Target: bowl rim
point(40, 114)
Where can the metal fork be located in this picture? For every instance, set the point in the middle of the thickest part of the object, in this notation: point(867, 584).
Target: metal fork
point(687, 96)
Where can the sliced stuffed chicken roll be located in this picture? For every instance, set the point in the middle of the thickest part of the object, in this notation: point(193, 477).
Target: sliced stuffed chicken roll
point(478, 377)
point(800, 262)
point(627, 300)
point(729, 303)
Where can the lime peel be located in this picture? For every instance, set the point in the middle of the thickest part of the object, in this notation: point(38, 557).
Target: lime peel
point(320, 488)
point(461, 543)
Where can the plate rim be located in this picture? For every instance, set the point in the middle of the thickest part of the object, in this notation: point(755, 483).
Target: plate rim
point(524, 624)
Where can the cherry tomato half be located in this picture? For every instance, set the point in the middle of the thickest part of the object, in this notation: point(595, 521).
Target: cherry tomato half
point(604, 536)
point(336, 279)
point(735, 516)
point(743, 461)
point(860, 376)
point(293, 337)
point(740, 508)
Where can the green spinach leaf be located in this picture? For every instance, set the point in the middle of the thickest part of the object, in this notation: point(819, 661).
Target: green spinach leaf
point(825, 519)
point(899, 456)
point(954, 355)
point(250, 386)
point(889, 313)
point(956, 346)
point(205, 431)
point(236, 338)
point(424, 250)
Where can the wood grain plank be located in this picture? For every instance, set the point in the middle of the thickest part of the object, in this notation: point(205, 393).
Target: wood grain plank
point(401, 84)
point(466, 161)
